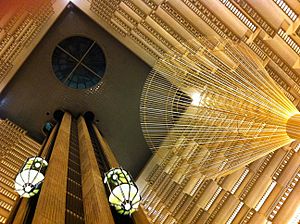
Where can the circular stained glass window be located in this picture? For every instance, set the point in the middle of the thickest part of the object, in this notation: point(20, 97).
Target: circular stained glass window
point(78, 62)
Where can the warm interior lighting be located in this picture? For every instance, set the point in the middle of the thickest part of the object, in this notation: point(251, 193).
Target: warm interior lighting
point(289, 40)
point(265, 196)
point(239, 14)
point(285, 195)
point(286, 9)
point(117, 176)
point(241, 113)
point(235, 212)
point(296, 149)
point(125, 199)
point(124, 195)
point(213, 198)
point(240, 180)
point(30, 177)
point(196, 98)
point(296, 217)
point(292, 126)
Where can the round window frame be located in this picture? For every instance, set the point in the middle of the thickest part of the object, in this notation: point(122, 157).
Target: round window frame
point(102, 48)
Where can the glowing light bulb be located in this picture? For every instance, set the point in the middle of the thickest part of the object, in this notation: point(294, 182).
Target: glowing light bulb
point(219, 104)
point(196, 97)
point(127, 206)
point(27, 189)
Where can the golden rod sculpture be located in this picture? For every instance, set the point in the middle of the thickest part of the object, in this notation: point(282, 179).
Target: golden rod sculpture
point(216, 109)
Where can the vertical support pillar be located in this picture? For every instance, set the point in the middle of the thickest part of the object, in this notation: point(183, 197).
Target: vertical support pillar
point(47, 146)
point(109, 155)
point(139, 216)
point(95, 202)
point(19, 213)
point(51, 205)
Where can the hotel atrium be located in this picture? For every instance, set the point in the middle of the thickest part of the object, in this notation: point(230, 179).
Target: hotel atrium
point(190, 106)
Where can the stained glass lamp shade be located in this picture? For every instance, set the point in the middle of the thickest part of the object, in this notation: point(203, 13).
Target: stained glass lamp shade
point(30, 177)
point(117, 176)
point(124, 195)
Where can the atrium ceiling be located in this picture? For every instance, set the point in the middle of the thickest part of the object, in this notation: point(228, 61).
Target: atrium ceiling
point(149, 28)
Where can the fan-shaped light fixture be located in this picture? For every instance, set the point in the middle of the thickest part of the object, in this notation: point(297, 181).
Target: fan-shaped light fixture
point(30, 177)
point(231, 112)
point(124, 195)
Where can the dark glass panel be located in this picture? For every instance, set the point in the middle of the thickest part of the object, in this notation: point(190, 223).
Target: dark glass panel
point(62, 64)
point(95, 60)
point(82, 78)
point(76, 46)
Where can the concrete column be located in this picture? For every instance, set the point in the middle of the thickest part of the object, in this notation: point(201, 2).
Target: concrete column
point(45, 151)
point(22, 210)
point(95, 201)
point(139, 216)
point(109, 155)
point(51, 205)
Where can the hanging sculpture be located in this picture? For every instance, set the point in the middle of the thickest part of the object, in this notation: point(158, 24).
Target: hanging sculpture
point(124, 195)
point(215, 108)
point(30, 177)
